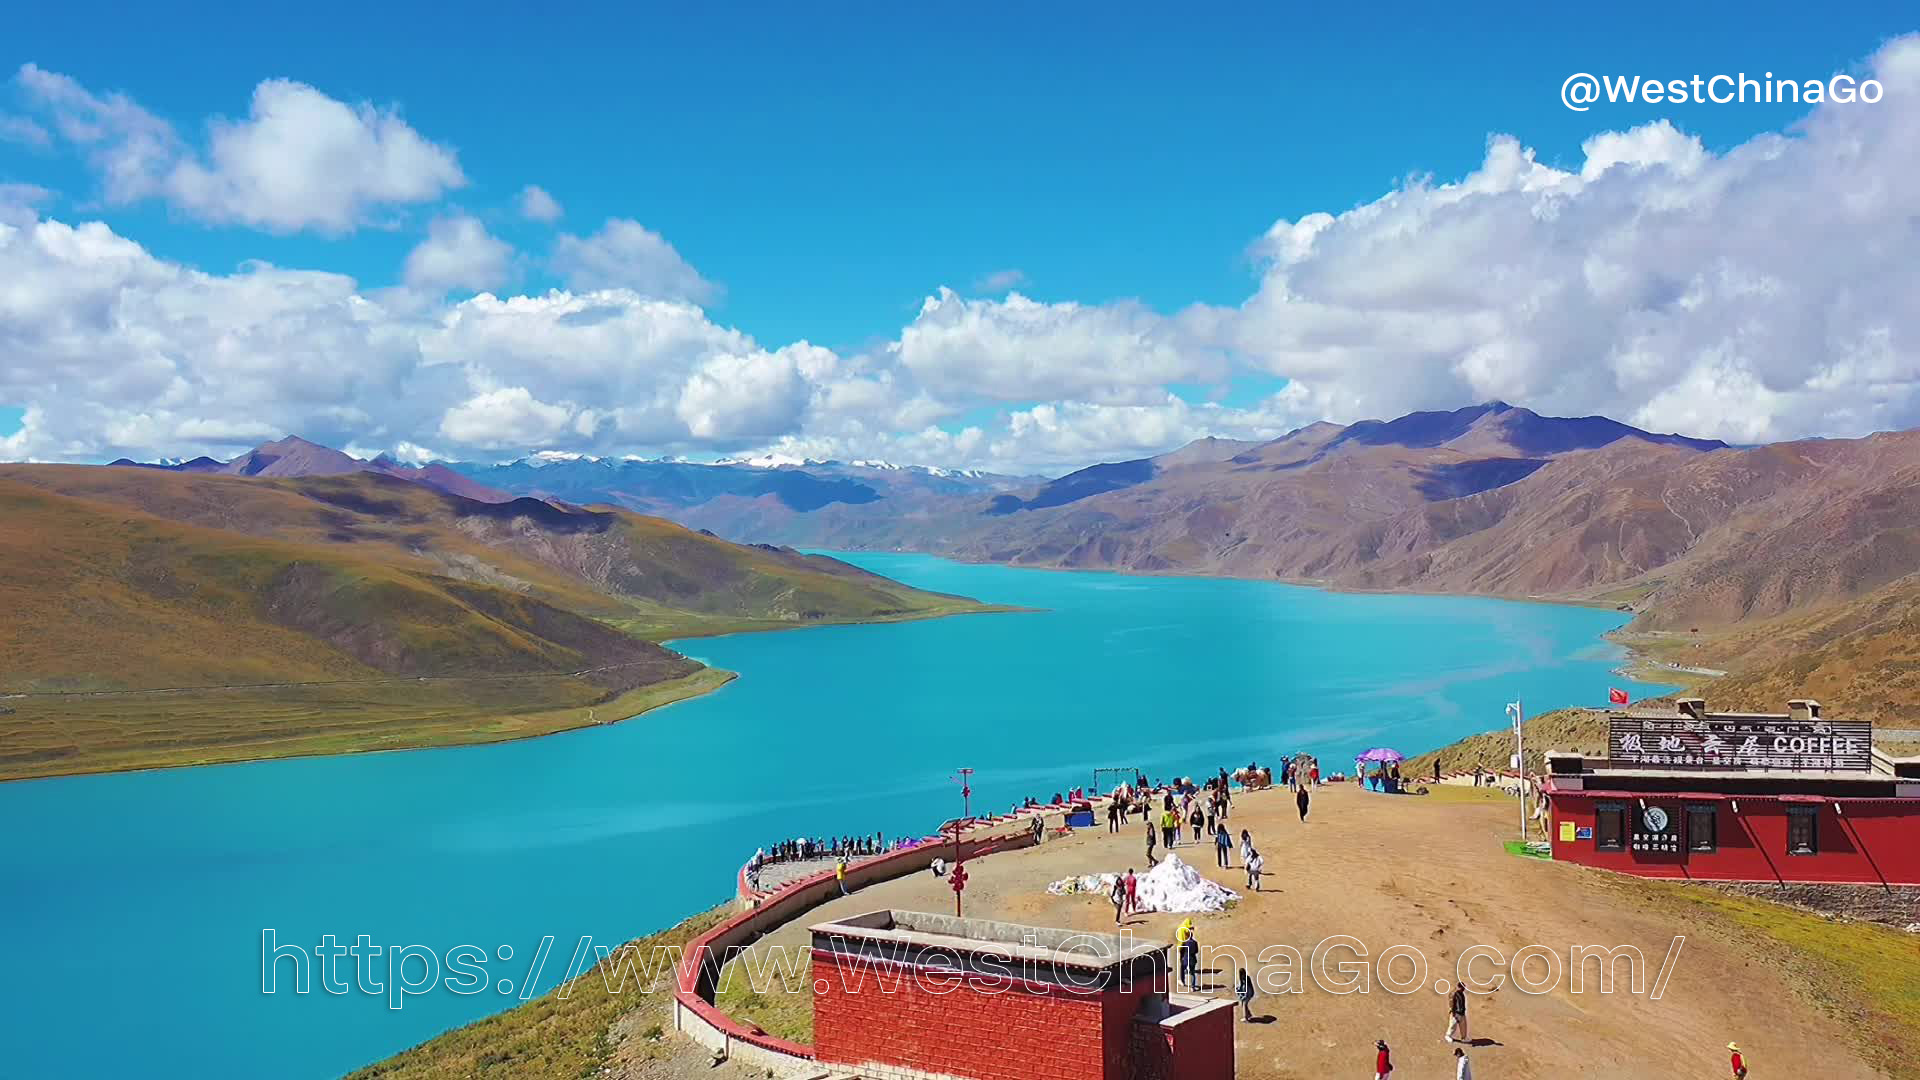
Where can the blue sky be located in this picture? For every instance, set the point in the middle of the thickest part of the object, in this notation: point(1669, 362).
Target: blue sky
point(830, 166)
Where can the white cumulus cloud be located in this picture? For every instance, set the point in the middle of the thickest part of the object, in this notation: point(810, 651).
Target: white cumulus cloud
point(1750, 295)
point(298, 160)
point(1018, 349)
point(506, 417)
point(537, 205)
point(1759, 292)
point(458, 253)
point(625, 254)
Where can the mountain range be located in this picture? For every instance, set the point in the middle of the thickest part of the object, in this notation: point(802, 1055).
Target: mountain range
point(1723, 554)
point(294, 456)
point(673, 487)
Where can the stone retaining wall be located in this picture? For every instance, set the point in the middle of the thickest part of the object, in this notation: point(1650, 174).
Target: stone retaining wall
point(1898, 906)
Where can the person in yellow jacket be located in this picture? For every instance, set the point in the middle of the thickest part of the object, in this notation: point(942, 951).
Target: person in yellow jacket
point(840, 874)
point(1169, 828)
point(1189, 948)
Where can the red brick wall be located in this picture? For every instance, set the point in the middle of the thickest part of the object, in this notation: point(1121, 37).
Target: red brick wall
point(868, 1012)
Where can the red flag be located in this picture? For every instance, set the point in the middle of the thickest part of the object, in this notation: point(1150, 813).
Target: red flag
point(1616, 695)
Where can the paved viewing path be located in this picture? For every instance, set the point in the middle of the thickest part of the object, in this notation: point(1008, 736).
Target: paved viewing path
point(773, 875)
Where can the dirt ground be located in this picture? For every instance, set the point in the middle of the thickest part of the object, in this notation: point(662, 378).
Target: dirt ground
point(1431, 873)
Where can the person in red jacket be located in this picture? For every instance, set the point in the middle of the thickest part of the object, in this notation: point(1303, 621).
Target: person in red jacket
point(1382, 1061)
point(1739, 1063)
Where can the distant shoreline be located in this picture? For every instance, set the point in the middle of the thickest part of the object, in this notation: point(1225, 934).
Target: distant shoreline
point(1320, 584)
point(513, 727)
point(1637, 656)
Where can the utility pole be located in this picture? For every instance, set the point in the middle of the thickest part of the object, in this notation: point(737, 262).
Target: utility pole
point(1518, 713)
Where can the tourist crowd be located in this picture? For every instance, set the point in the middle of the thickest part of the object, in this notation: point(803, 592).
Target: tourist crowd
point(1168, 810)
point(833, 847)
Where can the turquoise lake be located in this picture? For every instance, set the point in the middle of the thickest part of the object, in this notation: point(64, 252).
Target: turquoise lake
point(132, 906)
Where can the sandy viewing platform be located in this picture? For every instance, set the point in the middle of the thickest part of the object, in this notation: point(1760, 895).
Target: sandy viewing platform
point(1430, 873)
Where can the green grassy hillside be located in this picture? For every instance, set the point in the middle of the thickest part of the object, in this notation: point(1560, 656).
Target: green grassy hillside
point(1582, 731)
point(603, 1023)
point(162, 618)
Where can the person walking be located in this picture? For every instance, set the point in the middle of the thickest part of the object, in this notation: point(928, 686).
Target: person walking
point(1457, 1014)
point(1169, 829)
point(1255, 864)
point(1246, 846)
point(1133, 892)
point(1382, 1060)
point(1300, 800)
point(1118, 894)
point(1189, 945)
point(1198, 819)
point(1462, 1068)
point(1739, 1063)
point(1113, 815)
point(840, 874)
point(1244, 991)
point(1150, 840)
point(1223, 846)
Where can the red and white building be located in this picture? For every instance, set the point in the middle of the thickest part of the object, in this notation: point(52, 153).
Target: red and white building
point(1758, 797)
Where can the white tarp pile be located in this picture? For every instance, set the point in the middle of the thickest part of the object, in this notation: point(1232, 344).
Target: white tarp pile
point(1100, 884)
point(1171, 886)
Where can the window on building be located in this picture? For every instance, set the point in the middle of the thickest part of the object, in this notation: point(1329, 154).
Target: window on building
point(1610, 827)
point(1702, 825)
point(1802, 830)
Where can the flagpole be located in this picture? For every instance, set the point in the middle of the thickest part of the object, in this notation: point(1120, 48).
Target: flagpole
point(1519, 713)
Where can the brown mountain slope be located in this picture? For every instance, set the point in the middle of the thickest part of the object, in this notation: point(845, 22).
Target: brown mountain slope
point(1344, 505)
point(365, 611)
point(1689, 537)
point(605, 562)
point(1694, 540)
point(1861, 656)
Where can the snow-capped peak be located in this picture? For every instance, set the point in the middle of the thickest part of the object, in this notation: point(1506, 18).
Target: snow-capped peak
point(556, 457)
point(766, 461)
point(930, 470)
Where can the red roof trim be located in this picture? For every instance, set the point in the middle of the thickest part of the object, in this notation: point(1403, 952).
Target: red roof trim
point(1721, 796)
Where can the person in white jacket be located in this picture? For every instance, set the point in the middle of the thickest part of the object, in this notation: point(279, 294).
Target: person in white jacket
point(1462, 1067)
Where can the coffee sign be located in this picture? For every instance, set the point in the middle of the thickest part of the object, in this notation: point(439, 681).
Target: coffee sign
point(1754, 742)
